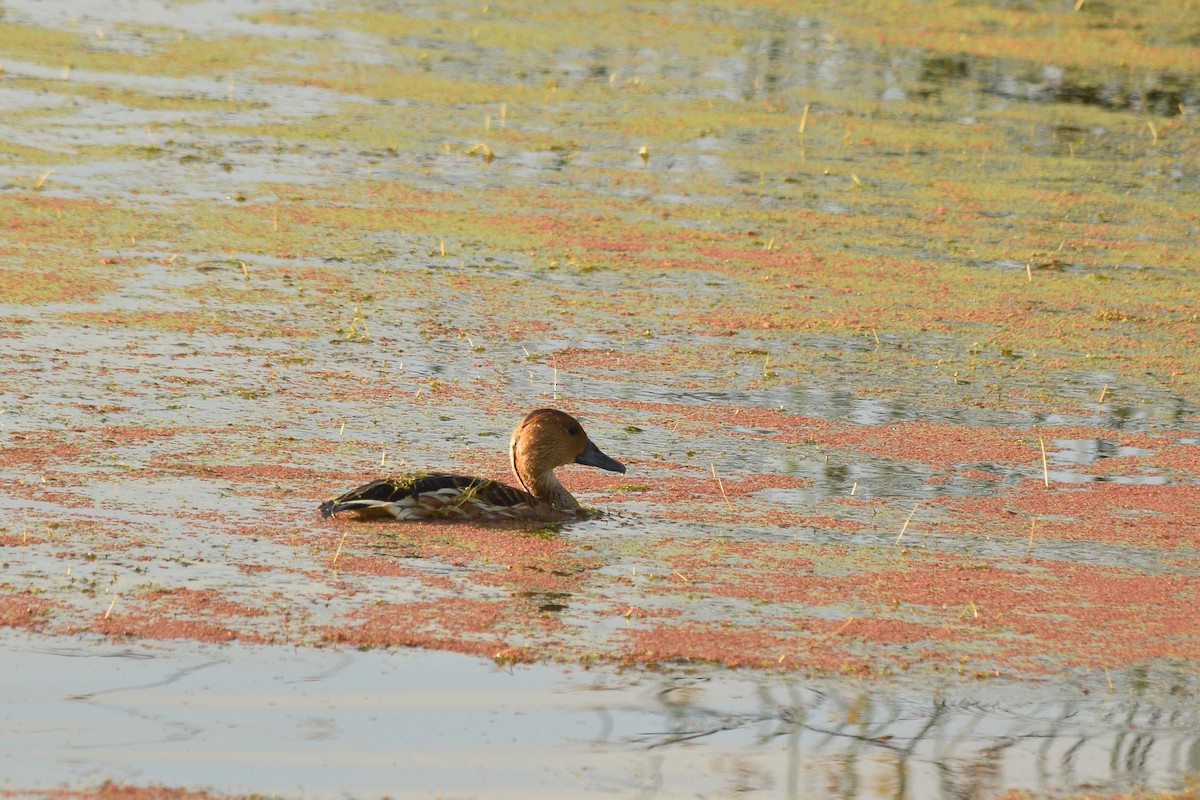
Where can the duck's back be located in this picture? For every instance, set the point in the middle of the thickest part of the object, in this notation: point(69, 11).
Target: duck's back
point(437, 496)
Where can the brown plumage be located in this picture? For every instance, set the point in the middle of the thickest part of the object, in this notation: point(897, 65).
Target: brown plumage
point(544, 440)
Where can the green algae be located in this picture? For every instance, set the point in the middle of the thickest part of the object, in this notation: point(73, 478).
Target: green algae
point(170, 52)
point(1094, 35)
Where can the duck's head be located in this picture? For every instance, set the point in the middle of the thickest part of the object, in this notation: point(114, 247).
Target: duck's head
point(546, 439)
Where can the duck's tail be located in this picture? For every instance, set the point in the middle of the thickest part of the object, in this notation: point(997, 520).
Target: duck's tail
point(381, 498)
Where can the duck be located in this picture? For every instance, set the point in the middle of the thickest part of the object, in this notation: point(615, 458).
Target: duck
point(543, 441)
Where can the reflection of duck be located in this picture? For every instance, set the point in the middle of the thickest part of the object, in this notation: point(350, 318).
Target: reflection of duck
point(544, 440)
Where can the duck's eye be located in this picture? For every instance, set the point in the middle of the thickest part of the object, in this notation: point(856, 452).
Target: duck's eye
point(572, 430)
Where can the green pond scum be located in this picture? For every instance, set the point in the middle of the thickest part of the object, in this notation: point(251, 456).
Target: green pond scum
point(830, 278)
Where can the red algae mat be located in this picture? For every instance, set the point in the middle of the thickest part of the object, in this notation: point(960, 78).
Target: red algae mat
point(893, 323)
point(877, 548)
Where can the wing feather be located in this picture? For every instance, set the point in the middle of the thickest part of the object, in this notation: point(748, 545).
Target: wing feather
point(416, 496)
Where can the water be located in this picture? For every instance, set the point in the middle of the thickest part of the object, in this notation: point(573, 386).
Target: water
point(323, 723)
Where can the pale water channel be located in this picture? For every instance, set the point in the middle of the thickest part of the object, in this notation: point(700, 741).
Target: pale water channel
point(329, 724)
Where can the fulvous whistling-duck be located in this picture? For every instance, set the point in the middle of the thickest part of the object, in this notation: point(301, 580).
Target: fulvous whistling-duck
point(545, 439)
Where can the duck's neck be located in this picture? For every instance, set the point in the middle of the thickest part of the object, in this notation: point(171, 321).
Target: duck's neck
point(545, 487)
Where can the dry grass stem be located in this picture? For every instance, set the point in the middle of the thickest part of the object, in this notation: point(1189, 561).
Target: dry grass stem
point(721, 485)
point(905, 526)
point(338, 552)
point(483, 150)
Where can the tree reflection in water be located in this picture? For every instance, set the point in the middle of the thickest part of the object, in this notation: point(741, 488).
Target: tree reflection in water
point(958, 741)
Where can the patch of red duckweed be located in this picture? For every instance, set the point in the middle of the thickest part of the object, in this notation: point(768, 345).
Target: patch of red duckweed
point(37, 456)
point(775, 587)
point(979, 474)
point(461, 544)
point(794, 519)
point(1102, 511)
point(888, 631)
point(458, 625)
point(947, 583)
point(732, 486)
point(362, 564)
point(756, 255)
point(524, 328)
point(1111, 618)
point(722, 559)
point(254, 569)
point(140, 433)
point(938, 444)
point(198, 614)
point(1180, 457)
point(530, 579)
point(151, 626)
point(20, 539)
point(204, 601)
point(1079, 614)
point(593, 233)
point(647, 612)
point(25, 610)
point(114, 791)
point(1147, 531)
point(253, 473)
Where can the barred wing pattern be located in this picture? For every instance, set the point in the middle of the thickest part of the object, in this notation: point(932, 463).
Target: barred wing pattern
point(434, 496)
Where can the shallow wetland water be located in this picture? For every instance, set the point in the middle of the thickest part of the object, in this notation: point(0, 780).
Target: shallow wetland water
point(890, 309)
